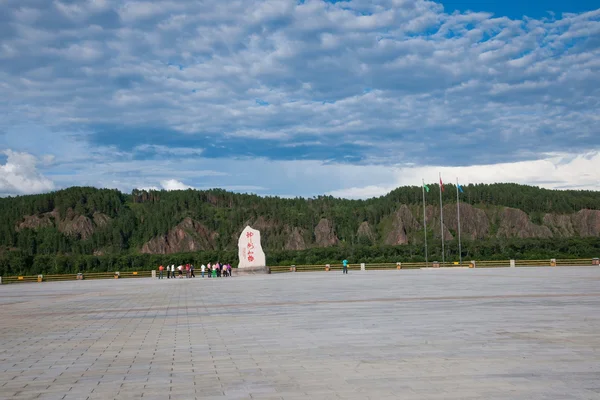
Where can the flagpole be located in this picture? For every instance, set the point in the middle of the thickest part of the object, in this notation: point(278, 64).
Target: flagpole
point(425, 222)
point(442, 222)
point(458, 216)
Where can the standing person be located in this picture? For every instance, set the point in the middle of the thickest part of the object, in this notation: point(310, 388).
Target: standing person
point(173, 271)
point(180, 271)
point(160, 272)
point(209, 270)
point(192, 271)
point(187, 270)
point(229, 269)
point(214, 271)
point(202, 269)
point(218, 269)
point(345, 267)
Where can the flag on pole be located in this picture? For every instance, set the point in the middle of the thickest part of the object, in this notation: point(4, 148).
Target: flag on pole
point(460, 188)
point(441, 184)
point(426, 188)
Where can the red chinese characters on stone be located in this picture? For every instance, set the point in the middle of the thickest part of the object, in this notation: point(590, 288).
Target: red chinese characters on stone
point(250, 258)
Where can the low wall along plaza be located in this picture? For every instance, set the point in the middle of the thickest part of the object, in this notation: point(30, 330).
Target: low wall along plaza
point(595, 262)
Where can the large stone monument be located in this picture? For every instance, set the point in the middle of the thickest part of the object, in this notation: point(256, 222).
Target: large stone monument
point(251, 254)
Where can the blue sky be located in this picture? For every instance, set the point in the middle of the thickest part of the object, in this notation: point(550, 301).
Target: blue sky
point(298, 98)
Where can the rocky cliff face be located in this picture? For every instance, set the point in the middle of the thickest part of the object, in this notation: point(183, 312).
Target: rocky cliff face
point(587, 223)
point(403, 225)
point(187, 236)
point(516, 223)
point(295, 239)
point(71, 224)
point(365, 231)
point(324, 234)
point(433, 223)
point(474, 222)
point(559, 225)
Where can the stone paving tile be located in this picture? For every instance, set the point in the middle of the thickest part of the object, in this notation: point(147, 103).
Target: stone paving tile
point(430, 334)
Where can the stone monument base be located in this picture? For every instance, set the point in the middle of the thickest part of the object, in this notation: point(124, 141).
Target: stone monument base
point(250, 271)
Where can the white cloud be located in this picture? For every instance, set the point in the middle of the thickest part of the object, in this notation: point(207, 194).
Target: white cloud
point(557, 171)
point(172, 184)
point(132, 93)
point(161, 150)
point(20, 175)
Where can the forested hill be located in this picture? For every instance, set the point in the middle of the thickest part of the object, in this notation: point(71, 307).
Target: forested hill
point(90, 221)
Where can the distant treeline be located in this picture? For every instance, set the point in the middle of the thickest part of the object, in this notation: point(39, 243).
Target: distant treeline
point(20, 263)
point(137, 217)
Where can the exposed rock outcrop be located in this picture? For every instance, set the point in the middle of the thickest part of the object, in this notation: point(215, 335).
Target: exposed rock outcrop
point(403, 223)
point(187, 236)
point(516, 223)
point(76, 225)
point(587, 222)
point(100, 219)
point(365, 231)
point(432, 215)
point(560, 225)
point(35, 222)
point(295, 240)
point(474, 222)
point(71, 224)
point(324, 234)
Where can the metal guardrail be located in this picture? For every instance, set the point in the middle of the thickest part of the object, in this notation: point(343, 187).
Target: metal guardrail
point(73, 277)
point(316, 267)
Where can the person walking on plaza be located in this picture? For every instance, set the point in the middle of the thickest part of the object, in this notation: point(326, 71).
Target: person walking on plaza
point(202, 269)
point(160, 272)
point(345, 267)
point(214, 270)
point(229, 269)
point(192, 271)
point(173, 271)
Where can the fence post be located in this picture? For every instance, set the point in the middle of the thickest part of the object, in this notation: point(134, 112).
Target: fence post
point(398, 265)
point(362, 267)
point(435, 264)
point(595, 261)
point(512, 263)
point(327, 267)
point(154, 273)
point(472, 264)
point(0, 280)
point(293, 268)
point(40, 278)
point(117, 275)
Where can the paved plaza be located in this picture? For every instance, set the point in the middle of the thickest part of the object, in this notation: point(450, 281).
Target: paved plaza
point(509, 333)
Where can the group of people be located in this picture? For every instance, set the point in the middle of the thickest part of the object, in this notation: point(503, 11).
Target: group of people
point(215, 270)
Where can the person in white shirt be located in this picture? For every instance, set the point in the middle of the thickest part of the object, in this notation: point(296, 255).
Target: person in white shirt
point(203, 268)
point(173, 271)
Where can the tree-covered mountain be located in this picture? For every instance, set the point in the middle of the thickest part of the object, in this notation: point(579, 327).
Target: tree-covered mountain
point(96, 224)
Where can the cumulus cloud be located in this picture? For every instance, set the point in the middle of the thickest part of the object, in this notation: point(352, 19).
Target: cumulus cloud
point(20, 175)
point(173, 184)
point(330, 86)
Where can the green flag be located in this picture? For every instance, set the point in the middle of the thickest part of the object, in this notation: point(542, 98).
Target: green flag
point(426, 188)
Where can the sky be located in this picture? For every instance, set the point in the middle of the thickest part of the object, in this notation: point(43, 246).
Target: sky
point(298, 98)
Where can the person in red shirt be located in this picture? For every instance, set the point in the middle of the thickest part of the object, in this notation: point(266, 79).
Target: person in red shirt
point(160, 272)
